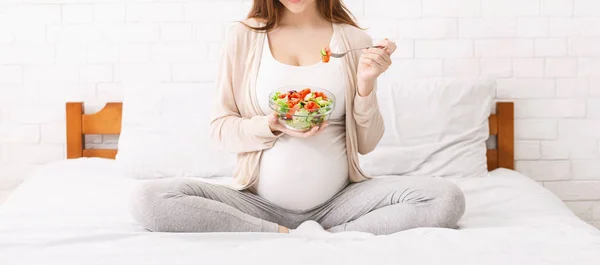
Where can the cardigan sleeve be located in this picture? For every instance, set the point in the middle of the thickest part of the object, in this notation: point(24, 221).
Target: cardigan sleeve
point(369, 121)
point(228, 128)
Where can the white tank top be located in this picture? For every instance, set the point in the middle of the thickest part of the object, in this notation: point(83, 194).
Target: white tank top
point(300, 174)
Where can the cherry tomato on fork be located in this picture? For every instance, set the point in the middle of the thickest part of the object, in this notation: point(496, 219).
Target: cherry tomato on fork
point(326, 54)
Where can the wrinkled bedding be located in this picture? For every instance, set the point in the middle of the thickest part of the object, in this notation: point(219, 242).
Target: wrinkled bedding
point(75, 212)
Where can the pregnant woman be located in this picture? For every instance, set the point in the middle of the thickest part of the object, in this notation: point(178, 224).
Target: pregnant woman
point(287, 178)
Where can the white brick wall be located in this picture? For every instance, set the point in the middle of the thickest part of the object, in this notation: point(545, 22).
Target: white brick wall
point(504, 48)
point(550, 47)
point(532, 27)
point(443, 48)
point(528, 67)
point(510, 8)
point(545, 170)
point(584, 210)
point(427, 28)
point(557, 8)
point(476, 28)
point(527, 150)
point(572, 87)
point(545, 54)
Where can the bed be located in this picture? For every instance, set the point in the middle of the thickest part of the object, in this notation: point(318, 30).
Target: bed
point(75, 212)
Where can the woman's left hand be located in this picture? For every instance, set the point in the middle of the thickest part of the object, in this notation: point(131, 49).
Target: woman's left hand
point(374, 61)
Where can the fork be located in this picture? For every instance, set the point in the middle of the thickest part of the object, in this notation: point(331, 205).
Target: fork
point(340, 55)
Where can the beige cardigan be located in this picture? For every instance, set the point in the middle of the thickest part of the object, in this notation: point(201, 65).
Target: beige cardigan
point(240, 126)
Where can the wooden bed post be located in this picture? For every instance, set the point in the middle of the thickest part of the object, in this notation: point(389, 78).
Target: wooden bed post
point(506, 135)
point(74, 130)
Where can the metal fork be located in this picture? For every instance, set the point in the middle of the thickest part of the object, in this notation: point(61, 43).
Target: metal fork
point(340, 55)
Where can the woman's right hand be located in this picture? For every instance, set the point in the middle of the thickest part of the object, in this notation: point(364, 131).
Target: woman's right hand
point(277, 128)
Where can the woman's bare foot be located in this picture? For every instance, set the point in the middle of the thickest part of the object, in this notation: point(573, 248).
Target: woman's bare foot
point(284, 230)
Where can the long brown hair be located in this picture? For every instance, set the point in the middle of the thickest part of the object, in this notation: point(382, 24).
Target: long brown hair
point(270, 11)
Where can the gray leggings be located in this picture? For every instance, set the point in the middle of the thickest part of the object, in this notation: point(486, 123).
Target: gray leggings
point(377, 206)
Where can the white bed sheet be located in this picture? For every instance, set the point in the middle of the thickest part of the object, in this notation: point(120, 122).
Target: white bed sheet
point(75, 212)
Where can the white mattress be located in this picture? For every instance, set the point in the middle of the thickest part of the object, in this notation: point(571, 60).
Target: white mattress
point(75, 212)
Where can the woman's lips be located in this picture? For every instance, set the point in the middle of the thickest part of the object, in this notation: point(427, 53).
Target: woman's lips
point(294, 1)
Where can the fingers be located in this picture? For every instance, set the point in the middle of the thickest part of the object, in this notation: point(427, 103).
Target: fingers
point(383, 54)
point(312, 132)
point(389, 46)
point(297, 133)
point(365, 61)
point(368, 61)
point(293, 133)
point(322, 127)
point(378, 59)
point(380, 56)
point(274, 124)
point(273, 119)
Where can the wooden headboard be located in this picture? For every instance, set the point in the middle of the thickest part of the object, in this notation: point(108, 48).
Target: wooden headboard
point(108, 121)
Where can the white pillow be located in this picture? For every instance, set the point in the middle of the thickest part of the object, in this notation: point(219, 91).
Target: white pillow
point(433, 127)
point(165, 132)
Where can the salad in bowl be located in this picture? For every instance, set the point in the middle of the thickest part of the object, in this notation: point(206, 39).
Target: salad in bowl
point(303, 108)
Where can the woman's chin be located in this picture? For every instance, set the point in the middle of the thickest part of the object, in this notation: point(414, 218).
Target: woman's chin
point(296, 10)
point(296, 6)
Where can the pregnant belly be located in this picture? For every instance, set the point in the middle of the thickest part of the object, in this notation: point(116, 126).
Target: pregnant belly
point(300, 174)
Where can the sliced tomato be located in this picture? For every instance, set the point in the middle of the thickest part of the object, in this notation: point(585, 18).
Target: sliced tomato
point(282, 95)
point(292, 110)
point(316, 107)
point(325, 58)
point(312, 106)
point(304, 92)
point(295, 95)
point(307, 106)
point(320, 95)
point(294, 101)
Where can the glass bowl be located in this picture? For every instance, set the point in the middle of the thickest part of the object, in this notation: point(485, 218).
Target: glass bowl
point(301, 117)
